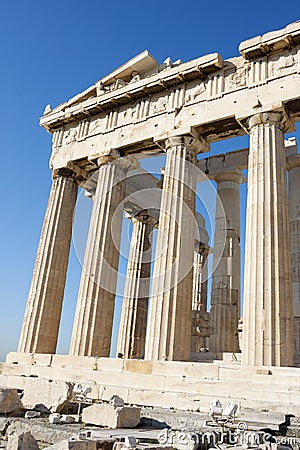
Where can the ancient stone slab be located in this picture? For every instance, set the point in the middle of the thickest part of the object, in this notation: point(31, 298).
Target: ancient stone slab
point(22, 441)
point(130, 441)
point(108, 416)
point(4, 422)
point(74, 445)
point(66, 418)
point(32, 414)
point(54, 418)
point(54, 394)
point(10, 401)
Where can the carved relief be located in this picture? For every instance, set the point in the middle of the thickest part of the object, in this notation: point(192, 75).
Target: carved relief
point(125, 115)
point(282, 65)
point(70, 136)
point(239, 78)
point(195, 93)
point(97, 125)
point(160, 105)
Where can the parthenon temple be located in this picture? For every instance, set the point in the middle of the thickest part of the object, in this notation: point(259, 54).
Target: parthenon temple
point(187, 328)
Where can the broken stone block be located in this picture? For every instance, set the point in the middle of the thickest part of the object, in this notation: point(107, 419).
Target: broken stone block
point(4, 422)
point(22, 441)
point(74, 445)
point(108, 416)
point(116, 401)
point(10, 401)
point(103, 443)
point(32, 414)
point(53, 394)
point(54, 418)
point(130, 442)
point(66, 418)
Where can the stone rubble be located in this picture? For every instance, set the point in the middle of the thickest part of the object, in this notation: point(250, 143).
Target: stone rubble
point(115, 401)
point(32, 414)
point(130, 441)
point(10, 401)
point(22, 441)
point(54, 418)
point(67, 418)
point(73, 445)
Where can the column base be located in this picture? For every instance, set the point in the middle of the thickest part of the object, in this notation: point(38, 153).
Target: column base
point(165, 384)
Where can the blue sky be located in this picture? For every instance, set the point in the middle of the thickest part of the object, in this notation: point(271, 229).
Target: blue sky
point(50, 52)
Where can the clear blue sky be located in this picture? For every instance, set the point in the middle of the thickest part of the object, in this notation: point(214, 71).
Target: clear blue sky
point(52, 50)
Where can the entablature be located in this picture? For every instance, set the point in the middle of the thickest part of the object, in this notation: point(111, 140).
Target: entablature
point(128, 111)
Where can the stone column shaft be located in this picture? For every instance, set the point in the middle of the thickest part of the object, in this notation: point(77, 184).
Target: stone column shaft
point(200, 316)
point(93, 322)
point(168, 335)
point(268, 312)
point(132, 334)
point(294, 219)
point(225, 296)
point(200, 278)
point(43, 311)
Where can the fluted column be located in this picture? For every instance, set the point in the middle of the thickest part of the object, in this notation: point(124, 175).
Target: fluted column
point(43, 311)
point(132, 334)
point(293, 165)
point(225, 296)
point(268, 308)
point(200, 316)
point(200, 277)
point(93, 322)
point(168, 334)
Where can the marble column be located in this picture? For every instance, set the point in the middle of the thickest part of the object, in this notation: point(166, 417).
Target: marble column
point(293, 165)
point(168, 334)
point(200, 274)
point(132, 333)
point(200, 317)
point(268, 308)
point(43, 311)
point(93, 321)
point(225, 295)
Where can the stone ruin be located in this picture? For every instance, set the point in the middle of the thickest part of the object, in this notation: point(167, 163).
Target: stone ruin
point(174, 353)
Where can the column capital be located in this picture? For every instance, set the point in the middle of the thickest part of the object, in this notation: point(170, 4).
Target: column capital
point(179, 138)
point(278, 117)
point(293, 161)
point(144, 217)
point(198, 145)
point(64, 172)
point(230, 175)
point(107, 157)
point(124, 162)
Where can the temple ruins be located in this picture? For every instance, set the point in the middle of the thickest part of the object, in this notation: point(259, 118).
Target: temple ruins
point(172, 351)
